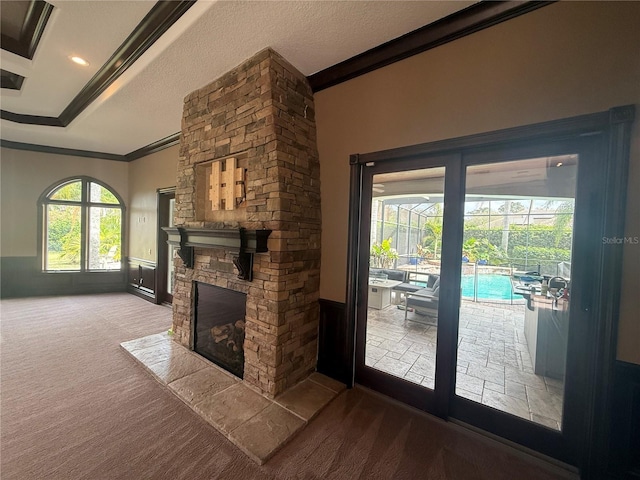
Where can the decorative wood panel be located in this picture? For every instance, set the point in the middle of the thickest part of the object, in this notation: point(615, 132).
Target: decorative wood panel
point(624, 458)
point(148, 278)
point(226, 184)
point(333, 349)
point(23, 277)
point(142, 278)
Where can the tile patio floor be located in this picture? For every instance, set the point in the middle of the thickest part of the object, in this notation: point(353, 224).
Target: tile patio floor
point(493, 368)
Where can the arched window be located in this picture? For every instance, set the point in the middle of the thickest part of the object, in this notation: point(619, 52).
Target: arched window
point(81, 226)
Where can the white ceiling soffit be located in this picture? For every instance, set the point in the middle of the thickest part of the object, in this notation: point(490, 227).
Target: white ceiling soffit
point(211, 38)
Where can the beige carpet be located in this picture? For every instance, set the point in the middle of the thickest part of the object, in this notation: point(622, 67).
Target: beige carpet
point(76, 406)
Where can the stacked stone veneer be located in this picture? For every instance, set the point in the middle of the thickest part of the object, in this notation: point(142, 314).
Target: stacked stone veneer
point(263, 111)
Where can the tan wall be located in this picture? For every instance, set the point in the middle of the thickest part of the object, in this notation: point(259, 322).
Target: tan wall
point(566, 59)
point(25, 175)
point(146, 175)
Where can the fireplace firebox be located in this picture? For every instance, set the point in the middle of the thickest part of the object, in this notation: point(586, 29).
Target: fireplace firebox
point(219, 321)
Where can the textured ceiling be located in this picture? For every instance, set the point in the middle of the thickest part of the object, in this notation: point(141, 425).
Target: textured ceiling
point(212, 37)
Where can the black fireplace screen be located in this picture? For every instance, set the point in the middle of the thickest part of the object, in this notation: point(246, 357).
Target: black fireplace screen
point(219, 326)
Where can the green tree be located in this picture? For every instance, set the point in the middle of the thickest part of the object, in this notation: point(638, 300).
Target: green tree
point(383, 255)
point(562, 221)
point(63, 220)
point(71, 192)
point(476, 250)
point(64, 223)
point(70, 242)
point(481, 210)
point(514, 207)
point(433, 230)
point(110, 232)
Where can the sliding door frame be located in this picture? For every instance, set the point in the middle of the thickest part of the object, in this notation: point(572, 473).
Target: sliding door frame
point(614, 129)
point(408, 392)
point(586, 245)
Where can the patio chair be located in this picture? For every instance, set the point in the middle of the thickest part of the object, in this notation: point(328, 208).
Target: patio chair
point(415, 281)
point(425, 303)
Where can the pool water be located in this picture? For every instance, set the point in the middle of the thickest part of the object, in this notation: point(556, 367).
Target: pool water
point(495, 287)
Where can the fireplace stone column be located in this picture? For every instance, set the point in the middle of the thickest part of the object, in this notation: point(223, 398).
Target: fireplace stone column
point(261, 113)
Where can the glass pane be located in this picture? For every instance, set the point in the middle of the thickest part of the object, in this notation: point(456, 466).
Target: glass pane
point(104, 238)
point(99, 194)
point(404, 273)
point(172, 251)
point(63, 237)
point(71, 192)
point(516, 273)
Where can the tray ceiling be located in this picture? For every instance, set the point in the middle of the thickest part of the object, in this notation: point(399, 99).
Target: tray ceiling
point(144, 104)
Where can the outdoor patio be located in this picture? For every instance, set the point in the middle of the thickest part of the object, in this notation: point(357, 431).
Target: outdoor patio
point(493, 368)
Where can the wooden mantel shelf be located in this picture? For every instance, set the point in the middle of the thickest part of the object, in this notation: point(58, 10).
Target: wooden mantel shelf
point(252, 241)
point(244, 242)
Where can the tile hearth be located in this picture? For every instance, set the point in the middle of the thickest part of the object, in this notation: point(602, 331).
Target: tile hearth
point(256, 424)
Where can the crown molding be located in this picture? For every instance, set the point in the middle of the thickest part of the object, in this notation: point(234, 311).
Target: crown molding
point(31, 119)
point(154, 147)
point(472, 19)
point(32, 29)
point(62, 151)
point(10, 80)
point(159, 19)
point(457, 25)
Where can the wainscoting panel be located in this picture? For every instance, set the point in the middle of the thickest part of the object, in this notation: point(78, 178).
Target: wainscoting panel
point(624, 457)
point(23, 277)
point(333, 335)
point(141, 278)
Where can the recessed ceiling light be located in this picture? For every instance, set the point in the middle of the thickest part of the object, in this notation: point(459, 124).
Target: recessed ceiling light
point(79, 61)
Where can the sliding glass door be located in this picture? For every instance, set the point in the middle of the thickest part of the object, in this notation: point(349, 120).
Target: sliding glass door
point(475, 287)
point(516, 281)
point(400, 275)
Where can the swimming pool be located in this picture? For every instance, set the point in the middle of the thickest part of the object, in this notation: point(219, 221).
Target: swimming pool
point(490, 287)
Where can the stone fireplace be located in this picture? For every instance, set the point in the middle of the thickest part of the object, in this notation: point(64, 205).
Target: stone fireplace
point(249, 162)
